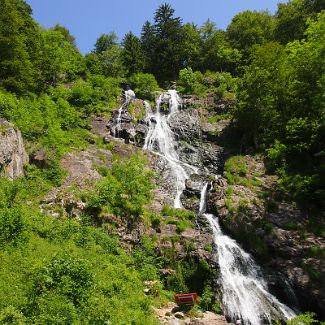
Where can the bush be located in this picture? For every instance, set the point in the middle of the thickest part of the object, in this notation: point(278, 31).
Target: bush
point(144, 85)
point(169, 211)
point(11, 226)
point(306, 319)
point(66, 276)
point(190, 82)
point(10, 315)
point(125, 191)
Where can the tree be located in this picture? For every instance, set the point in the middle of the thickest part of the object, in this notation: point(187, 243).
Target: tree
point(105, 42)
point(291, 18)
point(169, 43)
point(148, 39)
point(250, 28)
point(18, 46)
point(217, 54)
point(132, 54)
point(66, 34)
point(60, 60)
point(290, 21)
point(163, 44)
point(208, 29)
point(192, 45)
point(282, 110)
point(106, 58)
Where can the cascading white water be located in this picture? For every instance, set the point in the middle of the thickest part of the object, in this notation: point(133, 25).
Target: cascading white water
point(160, 139)
point(245, 295)
point(203, 200)
point(129, 95)
point(147, 108)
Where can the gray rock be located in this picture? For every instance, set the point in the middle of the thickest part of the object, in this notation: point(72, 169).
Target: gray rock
point(39, 158)
point(13, 155)
point(179, 315)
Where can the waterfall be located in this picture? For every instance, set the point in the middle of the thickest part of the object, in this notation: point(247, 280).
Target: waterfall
point(203, 200)
point(128, 95)
point(245, 294)
point(160, 140)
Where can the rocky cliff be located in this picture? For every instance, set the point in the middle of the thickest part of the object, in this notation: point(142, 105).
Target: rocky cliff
point(258, 214)
point(13, 155)
point(243, 195)
point(250, 206)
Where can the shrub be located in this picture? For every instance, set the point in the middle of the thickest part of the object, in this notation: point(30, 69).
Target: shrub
point(169, 211)
point(189, 82)
point(66, 276)
point(144, 85)
point(11, 225)
point(10, 315)
point(125, 190)
point(306, 319)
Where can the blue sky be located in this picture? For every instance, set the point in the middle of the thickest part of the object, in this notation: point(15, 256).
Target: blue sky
point(87, 19)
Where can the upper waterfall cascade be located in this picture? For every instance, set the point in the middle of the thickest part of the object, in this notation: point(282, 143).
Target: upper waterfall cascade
point(129, 95)
point(160, 139)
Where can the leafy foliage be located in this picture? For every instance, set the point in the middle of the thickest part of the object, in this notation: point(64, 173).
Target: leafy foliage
point(281, 109)
point(249, 28)
point(144, 84)
point(63, 272)
point(125, 191)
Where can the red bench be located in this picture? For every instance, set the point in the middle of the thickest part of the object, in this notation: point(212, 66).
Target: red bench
point(186, 298)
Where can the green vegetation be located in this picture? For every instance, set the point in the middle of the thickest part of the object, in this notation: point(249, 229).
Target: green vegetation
point(281, 110)
point(124, 191)
point(270, 68)
point(183, 219)
point(239, 170)
point(60, 271)
point(307, 319)
point(144, 84)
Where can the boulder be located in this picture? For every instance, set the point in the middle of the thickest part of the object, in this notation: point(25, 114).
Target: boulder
point(13, 155)
point(39, 158)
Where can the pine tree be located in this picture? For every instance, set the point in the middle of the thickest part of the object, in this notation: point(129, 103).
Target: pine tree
point(163, 44)
point(132, 54)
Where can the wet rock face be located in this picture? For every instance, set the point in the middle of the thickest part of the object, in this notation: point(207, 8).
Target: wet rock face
point(186, 125)
point(127, 125)
point(193, 147)
point(165, 190)
point(13, 155)
point(192, 193)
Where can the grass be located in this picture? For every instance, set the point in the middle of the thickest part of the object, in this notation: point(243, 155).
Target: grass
point(237, 165)
point(168, 211)
point(219, 117)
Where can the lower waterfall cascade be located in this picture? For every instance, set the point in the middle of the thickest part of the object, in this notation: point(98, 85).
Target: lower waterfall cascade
point(245, 294)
